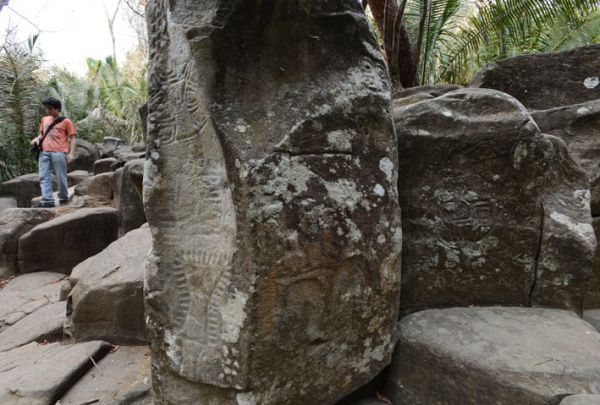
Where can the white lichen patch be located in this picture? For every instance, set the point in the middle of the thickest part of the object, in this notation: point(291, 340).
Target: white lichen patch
point(583, 230)
point(583, 110)
point(379, 190)
point(233, 314)
point(341, 140)
point(245, 398)
point(370, 355)
point(344, 192)
point(591, 82)
point(354, 233)
point(171, 348)
point(387, 166)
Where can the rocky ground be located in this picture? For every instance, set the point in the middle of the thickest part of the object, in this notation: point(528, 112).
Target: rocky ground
point(500, 294)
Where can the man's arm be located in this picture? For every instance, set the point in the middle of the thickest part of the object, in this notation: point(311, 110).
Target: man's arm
point(37, 139)
point(73, 145)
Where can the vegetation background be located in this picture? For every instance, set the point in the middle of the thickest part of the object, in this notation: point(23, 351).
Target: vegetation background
point(425, 41)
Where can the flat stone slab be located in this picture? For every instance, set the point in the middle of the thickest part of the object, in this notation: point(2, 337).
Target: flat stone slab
point(45, 323)
point(122, 377)
point(587, 399)
point(39, 374)
point(513, 355)
point(27, 293)
point(7, 202)
point(593, 317)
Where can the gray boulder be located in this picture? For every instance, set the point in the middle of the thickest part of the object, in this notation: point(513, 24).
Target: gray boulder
point(78, 176)
point(105, 165)
point(107, 300)
point(86, 153)
point(494, 212)
point(493, 355)
point(23, 189)
point(39, 374)
point(6, 203)
point(579, 126)
point(270, 190)
point(98, 187)
point(131, 206)
point(14, 223)
point(546, 80)
point(110, 145)
point(60, 244)
point(121, 377)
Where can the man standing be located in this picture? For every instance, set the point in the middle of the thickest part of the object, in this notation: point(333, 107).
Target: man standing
point(57, 140)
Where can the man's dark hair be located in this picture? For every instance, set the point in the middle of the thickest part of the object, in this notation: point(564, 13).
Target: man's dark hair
point(52, 102)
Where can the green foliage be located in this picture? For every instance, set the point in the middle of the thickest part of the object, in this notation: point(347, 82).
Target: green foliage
point(19, 106)
point(455, 38)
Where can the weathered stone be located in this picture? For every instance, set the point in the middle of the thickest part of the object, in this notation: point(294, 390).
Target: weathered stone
point(78, 176)
point(27, 293)
point(122, 377)
point(60, 244)
point(271, 191)
point(14, 223)
point(589, 399)
point(493, 355)
point(131, 206)
point(138, 147)
point(45, 323)
point(415, 94)
point(23, 189)
point(105, 165)
point(546, 80)
point(494, 212)
point(7, 202)
point(579, 126)
point(117, 182)
point(110, 144)
point(593, 317)
point(126, 154)
point(592, 299)
point(39, 374)
point(86, 153)
point(107, 300)
point(98, 187)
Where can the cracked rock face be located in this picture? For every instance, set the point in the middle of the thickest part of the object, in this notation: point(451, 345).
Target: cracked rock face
point(494, 212)
point(271, 195)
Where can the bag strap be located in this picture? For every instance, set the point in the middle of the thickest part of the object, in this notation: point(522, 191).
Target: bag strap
point(51, 126)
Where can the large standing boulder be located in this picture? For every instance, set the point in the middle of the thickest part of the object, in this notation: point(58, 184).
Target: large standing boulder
point(60, 244)
point(14, 223)
point(271, 193)
point(546, 80)
point(473, 356)
point(86, 153)
point(494, 212)
point(107, 299)
point(131, 206)
point(579, 126)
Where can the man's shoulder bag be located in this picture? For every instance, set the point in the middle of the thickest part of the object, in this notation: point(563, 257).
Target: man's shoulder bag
point(37, 148)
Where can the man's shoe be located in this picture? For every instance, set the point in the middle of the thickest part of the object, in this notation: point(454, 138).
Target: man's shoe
point(44, 205)
point(64, 203)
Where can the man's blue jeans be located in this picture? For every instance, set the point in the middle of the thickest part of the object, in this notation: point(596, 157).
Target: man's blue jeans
point(58, 162)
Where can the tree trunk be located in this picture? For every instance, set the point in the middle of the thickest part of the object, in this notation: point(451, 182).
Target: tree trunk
point(399, 51)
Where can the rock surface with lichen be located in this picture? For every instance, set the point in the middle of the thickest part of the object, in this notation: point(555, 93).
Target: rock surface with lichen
point(494, 211)
point(270, 191)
